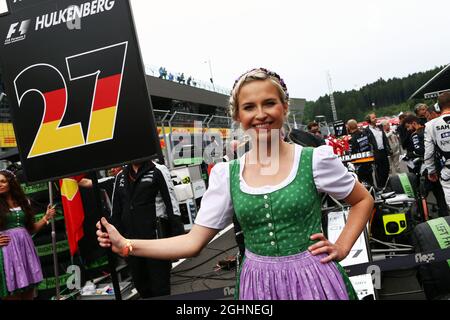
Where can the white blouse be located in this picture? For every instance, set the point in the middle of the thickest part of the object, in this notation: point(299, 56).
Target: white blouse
point(330, 176)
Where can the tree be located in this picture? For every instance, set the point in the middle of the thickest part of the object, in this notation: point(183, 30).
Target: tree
point(390, 96)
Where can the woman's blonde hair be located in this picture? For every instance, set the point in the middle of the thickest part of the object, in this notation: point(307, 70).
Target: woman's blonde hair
point(259, 74)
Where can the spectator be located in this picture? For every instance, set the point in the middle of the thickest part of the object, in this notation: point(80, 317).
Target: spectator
point(394, 144)
point(405, 140)
point(162, 73)
point(160, 206)
point(381, 149)
point(214, 146)
point(180, 146)
point(181, 79)
point(189, 80)
point(171, 77)
point(421, 111)
point(403, 133)
point(313, 128)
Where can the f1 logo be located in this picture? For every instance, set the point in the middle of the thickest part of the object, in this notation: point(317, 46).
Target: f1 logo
point(23, 28)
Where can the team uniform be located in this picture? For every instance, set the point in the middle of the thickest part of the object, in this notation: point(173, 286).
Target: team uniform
point(437, 151)
point(134, 215)
point(417, 151)
point(360, 143)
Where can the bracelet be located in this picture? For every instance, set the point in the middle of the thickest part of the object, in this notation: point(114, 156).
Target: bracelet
point(127, 249)
point(47, 222)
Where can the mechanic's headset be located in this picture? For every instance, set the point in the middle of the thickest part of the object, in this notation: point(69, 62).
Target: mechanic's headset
point(437, 107)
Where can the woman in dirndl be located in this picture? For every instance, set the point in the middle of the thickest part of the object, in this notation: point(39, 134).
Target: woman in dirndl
point(275, 191)
point(20, 268)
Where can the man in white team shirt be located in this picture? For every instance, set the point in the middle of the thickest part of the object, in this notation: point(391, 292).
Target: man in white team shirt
point(437, 146)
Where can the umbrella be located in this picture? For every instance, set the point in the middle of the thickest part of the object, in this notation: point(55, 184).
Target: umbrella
point(363, 124)
point(394, 121)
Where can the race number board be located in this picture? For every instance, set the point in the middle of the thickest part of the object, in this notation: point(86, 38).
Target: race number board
point(339, 128)
point(360, 251)
point(76, 86)
point(359, 254)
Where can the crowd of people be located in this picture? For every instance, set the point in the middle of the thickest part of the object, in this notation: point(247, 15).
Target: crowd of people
point(180, 77)
point(421, 141)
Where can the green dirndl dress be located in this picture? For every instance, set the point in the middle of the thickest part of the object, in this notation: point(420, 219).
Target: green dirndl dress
point(277, 227)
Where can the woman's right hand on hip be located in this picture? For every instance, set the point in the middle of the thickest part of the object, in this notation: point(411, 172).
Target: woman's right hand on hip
point(4, 241)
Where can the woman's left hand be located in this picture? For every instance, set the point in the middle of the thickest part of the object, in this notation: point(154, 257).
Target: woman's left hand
point(334, 251)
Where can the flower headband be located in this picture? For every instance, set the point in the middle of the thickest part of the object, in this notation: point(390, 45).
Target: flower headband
point(8, 171)
point(270, 74)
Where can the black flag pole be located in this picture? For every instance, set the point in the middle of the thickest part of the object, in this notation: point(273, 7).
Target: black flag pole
point(100, 212)
point(55, 253)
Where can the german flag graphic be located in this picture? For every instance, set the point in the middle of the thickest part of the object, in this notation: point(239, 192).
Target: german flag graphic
point(56, 131)
point(101, 125)
point(50, 137)
point(104, 110)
